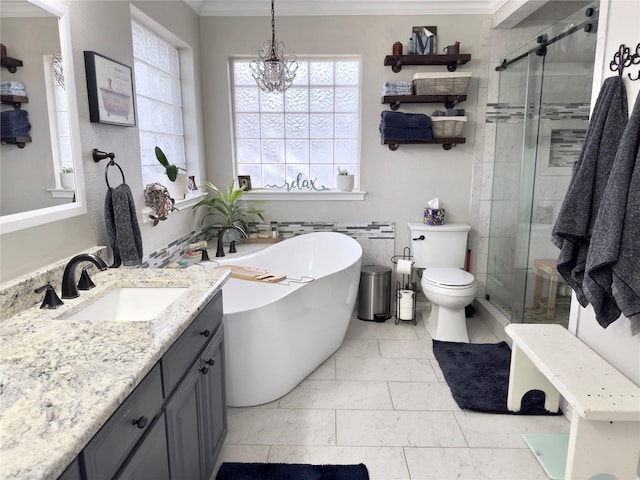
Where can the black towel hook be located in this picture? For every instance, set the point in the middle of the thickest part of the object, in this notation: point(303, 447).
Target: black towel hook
point(623, 58)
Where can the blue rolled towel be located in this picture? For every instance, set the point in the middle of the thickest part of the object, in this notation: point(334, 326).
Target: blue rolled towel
point(404, 120)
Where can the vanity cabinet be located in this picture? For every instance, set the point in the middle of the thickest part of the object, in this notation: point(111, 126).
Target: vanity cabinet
point(196, 420)
point(173, 425)
point(109, 448)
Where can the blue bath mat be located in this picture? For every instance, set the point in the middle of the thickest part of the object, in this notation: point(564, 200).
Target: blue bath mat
point(290, 471)
point(478, 376)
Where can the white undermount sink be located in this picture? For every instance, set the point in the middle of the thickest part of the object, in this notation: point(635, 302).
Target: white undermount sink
point(130, 304)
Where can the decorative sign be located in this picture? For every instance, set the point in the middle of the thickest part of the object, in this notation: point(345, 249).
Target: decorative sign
point(301, 184)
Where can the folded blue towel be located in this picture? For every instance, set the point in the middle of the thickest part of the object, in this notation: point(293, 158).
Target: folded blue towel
point(14, 123)
point(406, 134)
point(13, 116)
point(11, 131)
point(405, 120)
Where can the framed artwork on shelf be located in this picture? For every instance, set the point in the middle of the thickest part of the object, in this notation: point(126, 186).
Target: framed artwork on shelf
point(424, 40)
point(110, 89)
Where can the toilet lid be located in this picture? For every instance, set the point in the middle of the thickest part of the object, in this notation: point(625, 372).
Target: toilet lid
point(447, 277)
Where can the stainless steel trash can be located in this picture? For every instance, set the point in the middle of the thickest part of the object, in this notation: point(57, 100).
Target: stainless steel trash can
point(374, 302)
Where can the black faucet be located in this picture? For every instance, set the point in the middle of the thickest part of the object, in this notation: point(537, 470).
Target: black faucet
point(220, 249)
point(69, 289)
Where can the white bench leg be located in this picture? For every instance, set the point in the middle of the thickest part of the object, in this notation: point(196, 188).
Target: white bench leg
point(602, 447)
point(523, 377)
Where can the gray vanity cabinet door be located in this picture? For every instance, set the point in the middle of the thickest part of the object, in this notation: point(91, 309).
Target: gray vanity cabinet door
point(72, 472)
point(183, 428)
point(214, 405)
point(149, 460)
point(110, 447)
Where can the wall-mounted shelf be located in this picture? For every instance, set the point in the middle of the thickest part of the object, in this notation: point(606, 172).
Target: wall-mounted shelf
point(18, 141)
point(448, 100)
point(451, 61)
point(14, 100)
point(446, 143)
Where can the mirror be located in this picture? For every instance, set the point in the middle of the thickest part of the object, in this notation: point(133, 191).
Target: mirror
point(37, 32)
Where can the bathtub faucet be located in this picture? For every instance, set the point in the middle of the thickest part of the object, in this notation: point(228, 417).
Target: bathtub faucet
point(220, 250)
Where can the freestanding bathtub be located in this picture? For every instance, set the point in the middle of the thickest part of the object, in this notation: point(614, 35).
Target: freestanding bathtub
point(278, 333)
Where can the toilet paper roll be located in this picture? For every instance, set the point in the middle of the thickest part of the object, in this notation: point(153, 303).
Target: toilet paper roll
point(406, 304)
point(404, 267)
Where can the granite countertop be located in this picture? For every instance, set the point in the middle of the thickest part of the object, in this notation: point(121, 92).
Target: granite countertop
point(60, 380)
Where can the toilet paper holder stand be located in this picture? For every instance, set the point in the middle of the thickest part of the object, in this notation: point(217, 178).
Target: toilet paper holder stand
point(406, 291)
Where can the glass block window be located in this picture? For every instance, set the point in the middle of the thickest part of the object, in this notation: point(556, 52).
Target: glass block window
point(59, 124)
point(159, 102)
point(300, 137)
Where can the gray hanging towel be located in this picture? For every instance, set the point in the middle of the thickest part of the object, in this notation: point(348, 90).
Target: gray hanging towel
point(612, 285)
point(572, 231)
point(123, 230)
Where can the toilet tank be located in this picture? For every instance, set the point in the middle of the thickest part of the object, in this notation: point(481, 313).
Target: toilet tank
point(439, 245)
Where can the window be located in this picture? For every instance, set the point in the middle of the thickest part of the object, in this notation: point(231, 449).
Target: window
point(159, 102)
point(299, 138)
point(59, 126)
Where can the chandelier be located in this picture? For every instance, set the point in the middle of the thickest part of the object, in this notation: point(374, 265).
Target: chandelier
point(272, 70)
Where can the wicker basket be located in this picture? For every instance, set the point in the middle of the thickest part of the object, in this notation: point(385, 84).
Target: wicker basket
point(441, 83)
point(448, 127)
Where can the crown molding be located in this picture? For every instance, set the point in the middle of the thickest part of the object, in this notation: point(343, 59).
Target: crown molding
point(234, 8)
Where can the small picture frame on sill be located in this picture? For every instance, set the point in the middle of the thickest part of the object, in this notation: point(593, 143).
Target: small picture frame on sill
point(244, 182)
point(110, 89)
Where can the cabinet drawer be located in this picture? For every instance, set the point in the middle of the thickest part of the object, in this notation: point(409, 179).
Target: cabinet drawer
point(187, 349)
point(106, 452)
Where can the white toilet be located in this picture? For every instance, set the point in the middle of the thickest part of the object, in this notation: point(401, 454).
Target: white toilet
point(441, 251)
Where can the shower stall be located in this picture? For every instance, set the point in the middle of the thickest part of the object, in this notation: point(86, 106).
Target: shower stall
point(541, 119)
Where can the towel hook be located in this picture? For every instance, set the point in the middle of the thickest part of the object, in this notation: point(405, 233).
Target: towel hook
point(98, 155)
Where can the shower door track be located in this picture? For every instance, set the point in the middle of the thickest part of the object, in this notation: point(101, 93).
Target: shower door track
point(541, 49)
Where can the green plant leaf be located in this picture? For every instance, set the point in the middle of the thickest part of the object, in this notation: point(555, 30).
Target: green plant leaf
point(162, 158)
point(172, 172)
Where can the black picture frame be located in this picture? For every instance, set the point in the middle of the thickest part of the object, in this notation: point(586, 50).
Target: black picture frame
point(244, 182)
point(110, 89)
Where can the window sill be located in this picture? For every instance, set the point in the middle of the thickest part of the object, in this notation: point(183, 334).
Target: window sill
point(62, 192)
point(331, 195)
point(180, 205)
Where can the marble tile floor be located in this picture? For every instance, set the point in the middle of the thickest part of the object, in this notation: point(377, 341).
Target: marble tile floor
point(381, 400)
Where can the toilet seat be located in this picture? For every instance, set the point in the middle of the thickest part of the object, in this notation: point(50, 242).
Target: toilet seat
point(449, 278)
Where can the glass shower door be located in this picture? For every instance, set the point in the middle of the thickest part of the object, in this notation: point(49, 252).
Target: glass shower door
point(542, 118)
point(563, 119)
point(514, 160)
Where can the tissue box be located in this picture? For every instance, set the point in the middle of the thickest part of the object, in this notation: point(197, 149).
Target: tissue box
point(434, 216)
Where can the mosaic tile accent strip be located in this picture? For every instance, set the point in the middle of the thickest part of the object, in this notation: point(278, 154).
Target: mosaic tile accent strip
point(497, 112)
point(177, 249)
point(565, 147)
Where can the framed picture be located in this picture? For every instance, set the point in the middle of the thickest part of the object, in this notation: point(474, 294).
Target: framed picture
point(110, 88)
point(244, 181)
point(424, 40)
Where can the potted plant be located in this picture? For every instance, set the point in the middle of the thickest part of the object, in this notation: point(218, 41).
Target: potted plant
point(228, 206)
point(344, 180)
point(67, 178)
point(176, 189)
